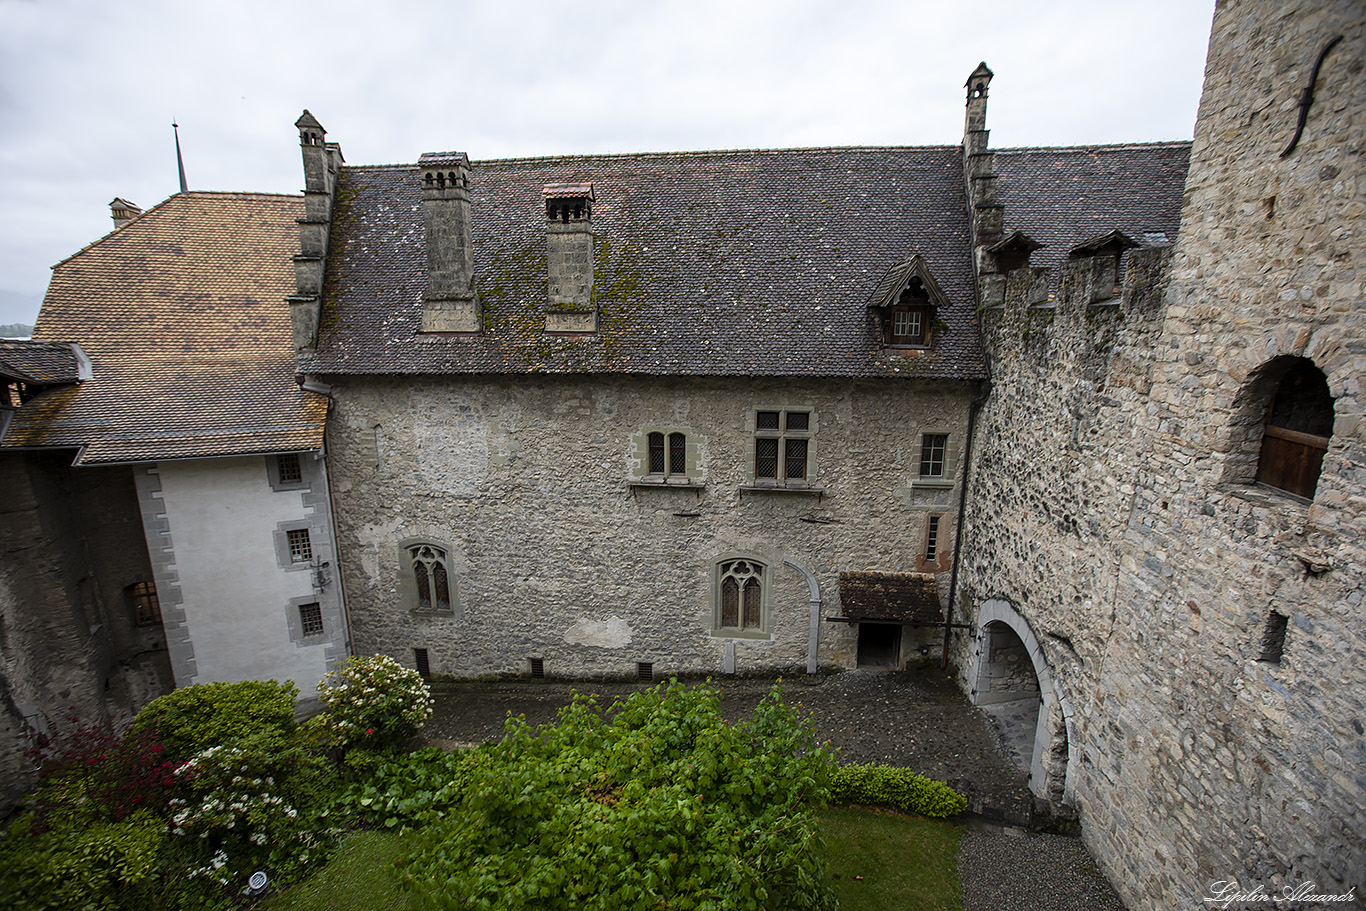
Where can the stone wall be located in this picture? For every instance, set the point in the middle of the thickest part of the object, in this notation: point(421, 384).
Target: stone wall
point(1136, 544)
point(70, 542)
point(560, 549)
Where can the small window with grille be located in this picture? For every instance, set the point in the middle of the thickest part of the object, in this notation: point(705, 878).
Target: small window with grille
point(423, 664)
point(291, 470)
point(668, 454)
point(311, 619)
point(300, 547)
point(142, 599)
point(932, 540)
point(782, 446)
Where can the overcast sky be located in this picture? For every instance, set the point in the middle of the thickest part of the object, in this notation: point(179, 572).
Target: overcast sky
point(88, 89)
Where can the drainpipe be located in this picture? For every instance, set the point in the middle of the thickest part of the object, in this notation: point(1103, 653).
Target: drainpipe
point(973, 408)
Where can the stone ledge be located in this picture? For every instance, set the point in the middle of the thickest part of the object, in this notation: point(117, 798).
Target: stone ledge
point(778, 488)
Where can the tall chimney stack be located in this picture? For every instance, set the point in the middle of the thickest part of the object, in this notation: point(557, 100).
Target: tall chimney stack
point(322, 160)
point(450, 303)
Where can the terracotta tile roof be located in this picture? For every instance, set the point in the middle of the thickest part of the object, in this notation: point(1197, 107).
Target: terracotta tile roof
point(39, 363)
point(183, 316)
point(904, 597)
point(750, 263)
point(1063, 197)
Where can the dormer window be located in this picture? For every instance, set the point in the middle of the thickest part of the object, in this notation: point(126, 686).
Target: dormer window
point(908, 321)
point(905, 304)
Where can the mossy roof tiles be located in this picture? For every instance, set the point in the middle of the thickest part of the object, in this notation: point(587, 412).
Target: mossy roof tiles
point(751, 263)
point(182, 313)
point(39, 363)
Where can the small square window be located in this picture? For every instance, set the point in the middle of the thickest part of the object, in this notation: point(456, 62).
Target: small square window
point(932, 448)
point(906, 326)
point(291, 471)
point(311, 619)
point(142, 598)
point(300, 547)
point(766, 420)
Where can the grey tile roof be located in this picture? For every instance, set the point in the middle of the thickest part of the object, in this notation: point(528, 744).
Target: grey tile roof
point(1064, 196)
point(741, 263)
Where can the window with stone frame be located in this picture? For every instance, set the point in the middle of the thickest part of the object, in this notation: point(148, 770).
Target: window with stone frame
point(782, 446)
point(667, 454)
point(142, 600)
point(300, 546)
point(933, 447)
point(311, 619)
point(1296, 432)
point(741, 603)
point(431, 576)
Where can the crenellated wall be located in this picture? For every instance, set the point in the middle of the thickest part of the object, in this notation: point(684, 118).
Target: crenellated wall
point(1115, 521)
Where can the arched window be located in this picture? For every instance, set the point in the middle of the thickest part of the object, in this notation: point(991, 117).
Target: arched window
point(668, 453)
point(1298, 425)
point(740, 597)
point(431, 577)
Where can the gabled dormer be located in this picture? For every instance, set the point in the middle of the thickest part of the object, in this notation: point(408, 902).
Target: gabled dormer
point(29, 368)
point(1010, 253)
point(1104, 251)
point(906, 304)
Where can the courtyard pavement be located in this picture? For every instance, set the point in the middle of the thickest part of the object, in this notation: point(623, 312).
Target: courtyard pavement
point(916, 719)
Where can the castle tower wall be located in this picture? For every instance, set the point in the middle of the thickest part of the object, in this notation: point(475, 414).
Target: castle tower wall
point(1207, 629)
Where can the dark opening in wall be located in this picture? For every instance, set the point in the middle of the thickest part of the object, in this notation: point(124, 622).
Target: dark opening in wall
point(424, 667)
point(645, 670)
point(1273, 638)
point(537, 667)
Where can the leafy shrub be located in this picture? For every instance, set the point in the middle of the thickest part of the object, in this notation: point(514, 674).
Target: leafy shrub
point(99, 777)
point(663, 805)
point(410, 790)
point(375, 702)
point(194, 718)
point(893, 787)
point(256, 804)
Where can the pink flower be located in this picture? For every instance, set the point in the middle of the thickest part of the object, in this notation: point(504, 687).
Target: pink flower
point(369, 730)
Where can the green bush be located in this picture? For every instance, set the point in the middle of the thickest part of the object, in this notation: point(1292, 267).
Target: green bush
point(656, 803)
point(375, 702)
point(410, 790)
point(92, 864)
point(194, 718)
point(892, 787)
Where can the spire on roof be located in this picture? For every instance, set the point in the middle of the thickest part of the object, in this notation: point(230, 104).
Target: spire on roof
point(180, 162)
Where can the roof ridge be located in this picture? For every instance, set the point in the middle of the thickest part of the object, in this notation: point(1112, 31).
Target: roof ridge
point(693, 153)
point(1158, 143)
point(141, 215)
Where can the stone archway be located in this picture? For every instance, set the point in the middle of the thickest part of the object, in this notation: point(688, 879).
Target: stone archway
point(1006, 654)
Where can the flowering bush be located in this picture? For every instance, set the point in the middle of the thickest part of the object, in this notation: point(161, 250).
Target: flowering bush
point(375, 702)
point(247, 807)
point(194, 718)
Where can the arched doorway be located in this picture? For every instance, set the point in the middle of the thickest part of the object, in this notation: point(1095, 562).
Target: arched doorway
point(1011, 679)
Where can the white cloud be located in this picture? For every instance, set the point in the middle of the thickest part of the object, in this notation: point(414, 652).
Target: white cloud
point(88, 89)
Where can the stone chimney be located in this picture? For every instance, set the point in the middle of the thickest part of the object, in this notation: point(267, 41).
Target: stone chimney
point(450, 303)
point(569, 258)
point(979, 164)
point(322, 160)
point(123, 211)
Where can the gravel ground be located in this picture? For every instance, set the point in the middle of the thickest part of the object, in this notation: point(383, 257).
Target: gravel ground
point(917, 719)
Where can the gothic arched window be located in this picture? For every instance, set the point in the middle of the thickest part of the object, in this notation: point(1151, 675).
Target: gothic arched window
point(1299, 423)
point(740, 595)
point(431, 577)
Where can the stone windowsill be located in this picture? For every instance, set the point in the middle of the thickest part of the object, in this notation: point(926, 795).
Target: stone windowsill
point(660, 483)
point(933, 483)
point(724, 633)
point(781, 487)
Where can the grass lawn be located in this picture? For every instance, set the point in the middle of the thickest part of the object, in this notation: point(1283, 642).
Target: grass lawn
point(904, 862)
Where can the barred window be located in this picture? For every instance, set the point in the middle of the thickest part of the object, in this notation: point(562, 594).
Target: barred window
point(431, 574)
point(300, 547)
point(291, 471)
point(932, 448)
point(782, 445)
point(142, 599)
point(932, 540)
point(311, 618)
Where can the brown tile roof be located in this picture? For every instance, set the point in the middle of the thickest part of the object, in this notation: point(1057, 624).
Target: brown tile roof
point(183, 316)
point(903, 597)
point(748, 263)
point(39, 363)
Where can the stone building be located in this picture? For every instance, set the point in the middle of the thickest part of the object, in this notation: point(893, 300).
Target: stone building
point(166, 518)
point(1163, 543)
